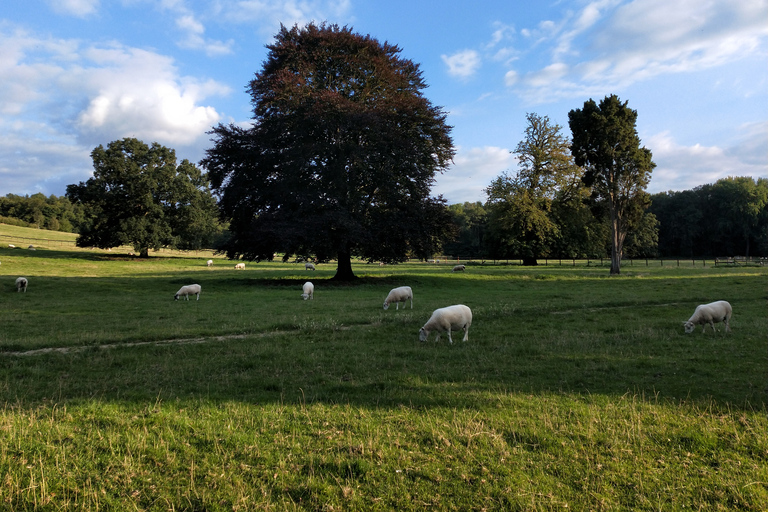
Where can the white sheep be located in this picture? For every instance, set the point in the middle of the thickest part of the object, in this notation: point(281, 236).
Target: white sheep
point(459, 268)
point(186, 291)
point(309, 291)
point(209, 263)
point(240, 266)
point(21, 284)
point(309, 266)
point(11, 246)
point(711, 313)
point(398, 295)
point(451, 318)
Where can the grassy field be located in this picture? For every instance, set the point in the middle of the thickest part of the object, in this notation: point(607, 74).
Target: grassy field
point(575, 390)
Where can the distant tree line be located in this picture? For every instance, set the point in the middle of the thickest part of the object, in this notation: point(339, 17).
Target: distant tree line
point(726, 218)
point(38, 211)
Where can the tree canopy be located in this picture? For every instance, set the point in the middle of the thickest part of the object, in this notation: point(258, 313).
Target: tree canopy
point(340, 157)
point(520, 206)
point(606, 144)
point(138, 196)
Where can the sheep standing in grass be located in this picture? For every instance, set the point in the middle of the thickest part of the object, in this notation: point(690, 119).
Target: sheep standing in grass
point(209, 263)
point(459, 268)
point(21, 284)
point(309, 291)
point(186, 291)
point(451, 318)
point(398, 295)
point(309, 266)
point(240, 266)
point(711, 314)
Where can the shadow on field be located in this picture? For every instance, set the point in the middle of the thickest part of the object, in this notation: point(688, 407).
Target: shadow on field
point(254, 340)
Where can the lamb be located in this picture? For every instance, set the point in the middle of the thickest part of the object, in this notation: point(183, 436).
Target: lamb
point(21, 284)
point(451, 318)
point(459, 268)
point(209, 263)
point(309, 291)
point(186, 291)
point(309, 266)
point(240, 266)
point(711, 313)
point(398, 295)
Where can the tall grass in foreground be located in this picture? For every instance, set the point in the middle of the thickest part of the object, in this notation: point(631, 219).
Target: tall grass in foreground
point(575, 389)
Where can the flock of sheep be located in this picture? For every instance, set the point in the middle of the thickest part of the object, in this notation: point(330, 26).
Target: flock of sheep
point(459, 316)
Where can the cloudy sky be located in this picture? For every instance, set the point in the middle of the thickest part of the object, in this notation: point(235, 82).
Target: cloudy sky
point(75, 74)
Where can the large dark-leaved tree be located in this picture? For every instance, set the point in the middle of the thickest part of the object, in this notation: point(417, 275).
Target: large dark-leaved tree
point(340, 157)
point(138, 196)
point(606, 144)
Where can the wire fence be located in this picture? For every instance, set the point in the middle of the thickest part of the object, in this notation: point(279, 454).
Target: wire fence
point(731, 261)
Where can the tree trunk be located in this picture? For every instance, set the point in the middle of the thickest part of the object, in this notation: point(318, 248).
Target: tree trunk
point(616, 243)
point(530, 261)
point(344, 268)
point(144, 253)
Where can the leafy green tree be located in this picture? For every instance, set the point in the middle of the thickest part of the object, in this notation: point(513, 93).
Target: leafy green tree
point(518, 220)
point(139, 196)
point(470, 220)
point(582, 231)
point(340, 158)
point(520, 205)
point(740, 202)
point(606, 144)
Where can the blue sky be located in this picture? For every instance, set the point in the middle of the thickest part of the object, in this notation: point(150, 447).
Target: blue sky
point(78, 73)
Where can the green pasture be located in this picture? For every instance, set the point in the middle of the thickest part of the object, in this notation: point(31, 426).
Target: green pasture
point(576, 390)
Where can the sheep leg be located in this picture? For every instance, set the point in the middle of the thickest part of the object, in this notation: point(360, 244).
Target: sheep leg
point(450, 340)
point(466, 333)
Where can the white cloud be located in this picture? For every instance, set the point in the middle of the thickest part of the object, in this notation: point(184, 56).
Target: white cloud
point(77, 8)
point(686, 167)
point(471, 172)
point(511, 78)
point(62, 99)
point(621, 44)
point(463, 64)
point(268, 16)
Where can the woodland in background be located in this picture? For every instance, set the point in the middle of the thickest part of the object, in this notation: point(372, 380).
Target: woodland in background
point(726, 218)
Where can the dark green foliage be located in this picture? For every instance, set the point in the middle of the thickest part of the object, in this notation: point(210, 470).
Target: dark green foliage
point(471, 222)
point(340, 158)
point(139, 196)
point(52, 213)
point(616, 168)
point(727, 218)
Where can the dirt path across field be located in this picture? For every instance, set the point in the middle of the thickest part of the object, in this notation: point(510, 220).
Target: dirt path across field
point(183, 341)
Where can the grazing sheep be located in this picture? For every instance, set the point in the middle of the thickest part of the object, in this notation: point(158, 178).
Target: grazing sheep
point(186, 291)
point(240, 266)
point(711, 313)
point(459, 268)
point(11, 246)
point(309, 266)
point(209, 263)
point(451, 318)
point(398, 295)
point(309, 291)
point(21, 284)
